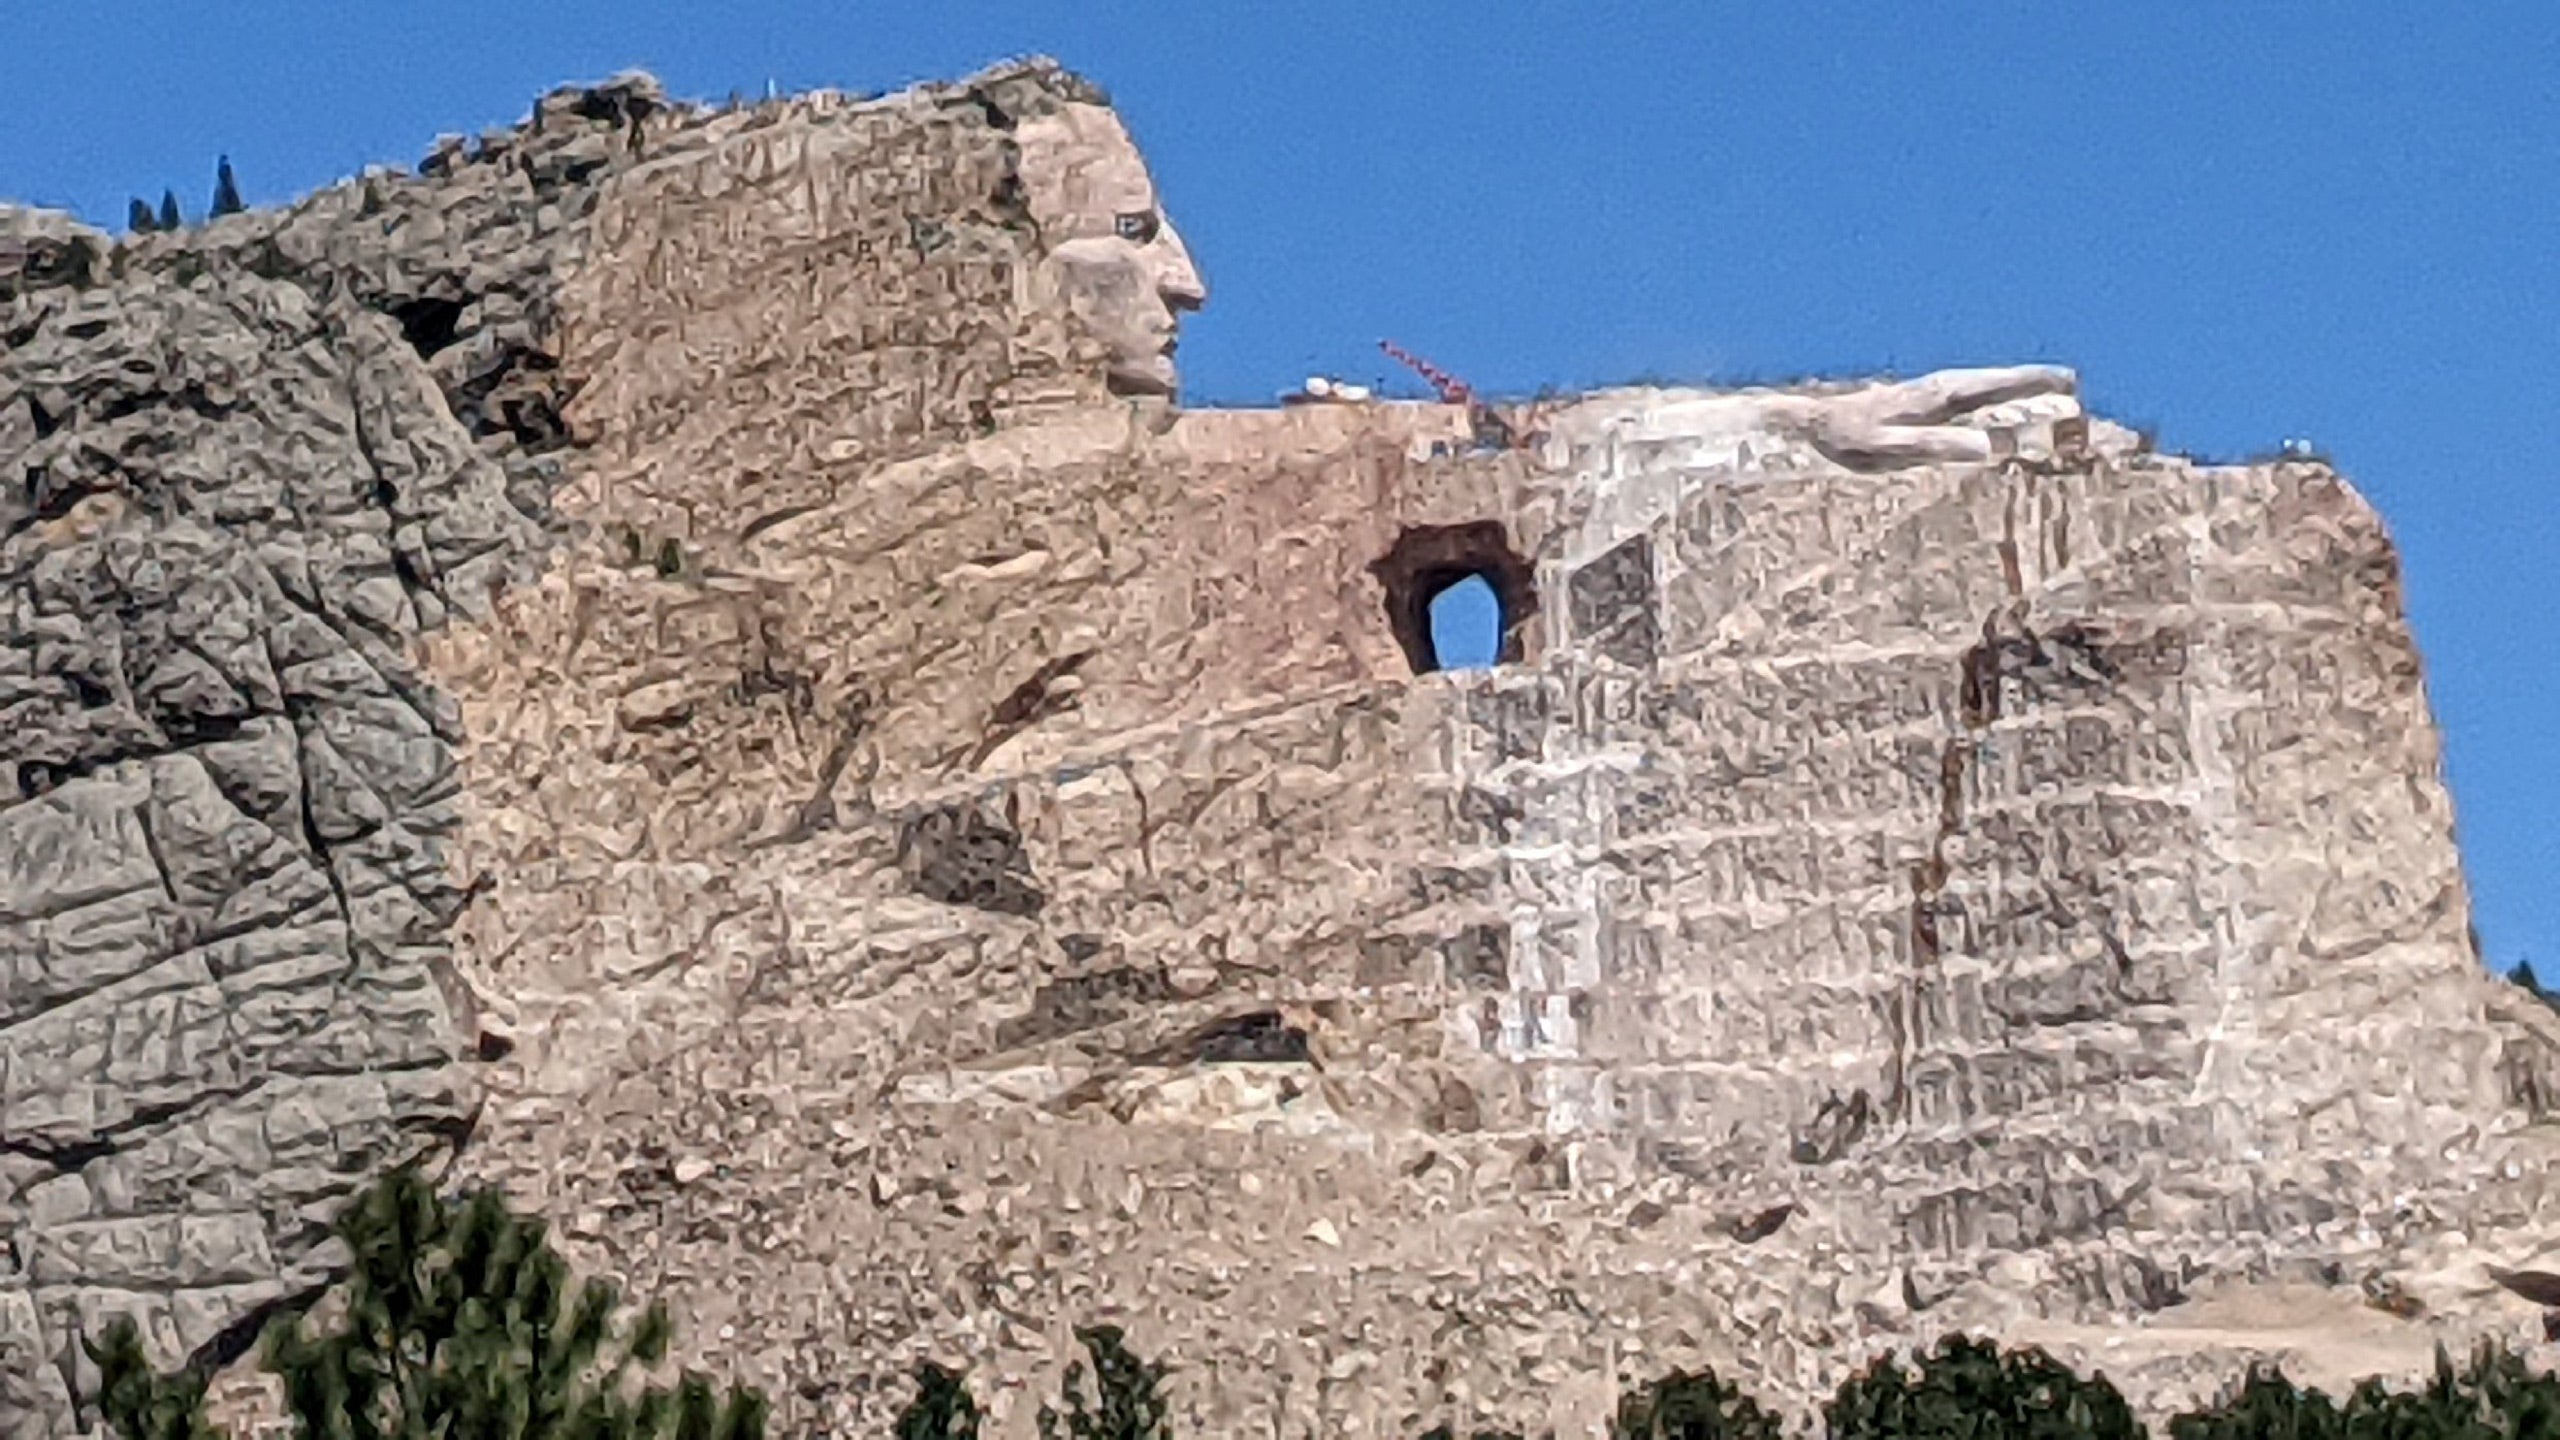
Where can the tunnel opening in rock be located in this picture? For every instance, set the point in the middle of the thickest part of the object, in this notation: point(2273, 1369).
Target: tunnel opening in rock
point(1458, 596)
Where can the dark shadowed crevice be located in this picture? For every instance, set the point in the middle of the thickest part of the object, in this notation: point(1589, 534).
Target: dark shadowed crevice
point(960, 855)
point(613, 104)
point(1256, 1037)
point(1076, 1003)
point(1761, 1224)
point(1837, 1124)
point(66, 1158)
point(521, 397)
point(429, 323)
point(191, 397)
point(240, 1336)
point(1478, 958)
point(1613, 607)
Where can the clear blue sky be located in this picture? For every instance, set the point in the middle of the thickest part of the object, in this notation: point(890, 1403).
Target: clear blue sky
point(2326, 220)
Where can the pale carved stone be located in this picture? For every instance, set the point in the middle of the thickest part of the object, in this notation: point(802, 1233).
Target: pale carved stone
point(1949, 417)
point(1123, 266)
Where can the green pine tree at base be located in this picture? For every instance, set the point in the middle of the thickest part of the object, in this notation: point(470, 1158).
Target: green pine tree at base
point(2495, 1397)
point(462, 1324)
point(1687, 1405)
point(139, 1403)
point(1127, 1405)
point(1970, 1390)
point(942, 1409)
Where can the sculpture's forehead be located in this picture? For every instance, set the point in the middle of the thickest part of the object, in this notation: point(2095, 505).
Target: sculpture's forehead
point(1079, 166)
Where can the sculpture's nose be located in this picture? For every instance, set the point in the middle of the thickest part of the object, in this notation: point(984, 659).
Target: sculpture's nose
point(1177, 279)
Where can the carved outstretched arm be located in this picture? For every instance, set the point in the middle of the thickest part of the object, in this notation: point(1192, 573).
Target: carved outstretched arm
point(1911, 422)
point(1877, 427)
point(1939, 398)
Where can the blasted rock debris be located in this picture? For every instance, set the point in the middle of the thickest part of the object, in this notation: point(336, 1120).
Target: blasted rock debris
point(684, 661)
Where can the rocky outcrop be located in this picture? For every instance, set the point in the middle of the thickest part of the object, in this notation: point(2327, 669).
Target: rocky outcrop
point(247, 466)
point(1873, 903)
point(653, 658)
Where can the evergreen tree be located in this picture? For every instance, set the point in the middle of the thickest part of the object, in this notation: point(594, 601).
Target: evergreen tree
point(1693, 1406)
point(942, 1409)
point(136, 1401)
point(2494, 1397)
point(226, 191)
point(1126, 1404)
point(1972, 1390)
point(462, 1322)
point(138, 217)
point(2267, 1405)
point(2532, 985)
point(169, 210)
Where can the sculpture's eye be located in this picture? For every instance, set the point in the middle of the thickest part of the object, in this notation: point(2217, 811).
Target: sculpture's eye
point(1136, 226)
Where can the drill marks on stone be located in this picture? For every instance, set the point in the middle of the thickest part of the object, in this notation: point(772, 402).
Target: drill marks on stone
point(1989, 771)
point(1776, 906)
point(1557, 907)
point(1988, 669)
point(2231, 1031)
point(2009, 679)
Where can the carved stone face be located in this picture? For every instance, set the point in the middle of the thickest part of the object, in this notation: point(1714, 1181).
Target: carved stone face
point(1124, 267)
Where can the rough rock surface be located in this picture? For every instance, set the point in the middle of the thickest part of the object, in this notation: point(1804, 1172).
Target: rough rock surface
point(645, 656)
point(240, 481)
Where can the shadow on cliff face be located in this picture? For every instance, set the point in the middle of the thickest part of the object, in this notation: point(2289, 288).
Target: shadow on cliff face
point(959, 854)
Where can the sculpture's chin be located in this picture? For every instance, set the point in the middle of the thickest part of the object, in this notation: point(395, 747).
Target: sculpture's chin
point(1154, 376)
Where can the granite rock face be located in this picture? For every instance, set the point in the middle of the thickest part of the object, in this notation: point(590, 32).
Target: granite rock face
point(647, 658)
point(241, 480)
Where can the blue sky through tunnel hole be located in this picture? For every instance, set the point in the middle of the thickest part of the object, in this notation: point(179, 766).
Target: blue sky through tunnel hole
point(1466, 625)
